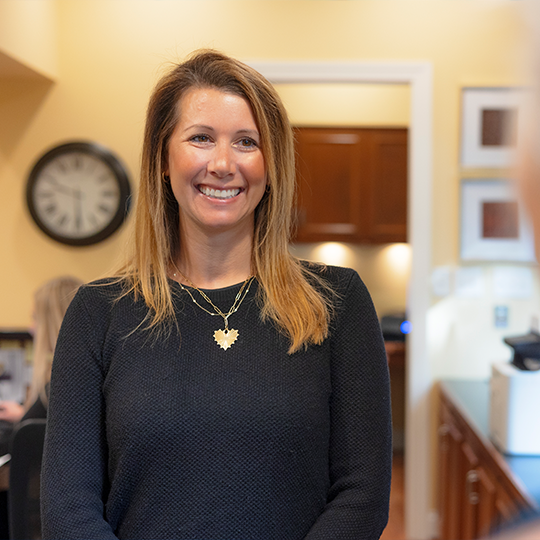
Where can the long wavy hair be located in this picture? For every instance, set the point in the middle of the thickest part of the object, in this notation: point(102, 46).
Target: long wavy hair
point(298, 300)
point(51, 301)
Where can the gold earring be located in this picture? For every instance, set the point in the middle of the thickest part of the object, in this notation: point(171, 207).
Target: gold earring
point(165, 178)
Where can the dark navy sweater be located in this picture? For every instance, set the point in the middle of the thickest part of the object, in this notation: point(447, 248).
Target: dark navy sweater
point(169, 436)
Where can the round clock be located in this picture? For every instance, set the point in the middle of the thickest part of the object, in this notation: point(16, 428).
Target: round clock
point(78, 193)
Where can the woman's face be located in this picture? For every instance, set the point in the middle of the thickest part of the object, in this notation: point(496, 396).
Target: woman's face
point(215, 163)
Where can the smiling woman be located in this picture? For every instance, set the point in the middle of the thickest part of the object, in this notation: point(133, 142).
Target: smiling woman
point(277, 428)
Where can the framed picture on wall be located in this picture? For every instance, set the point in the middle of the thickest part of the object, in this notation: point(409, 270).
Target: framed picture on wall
point(494, 226)
point(490, 126)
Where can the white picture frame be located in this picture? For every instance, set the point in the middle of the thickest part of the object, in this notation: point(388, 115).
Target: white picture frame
point(477, 195)
point(476, 104)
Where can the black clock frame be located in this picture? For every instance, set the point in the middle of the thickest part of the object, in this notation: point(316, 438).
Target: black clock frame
point(111, 161)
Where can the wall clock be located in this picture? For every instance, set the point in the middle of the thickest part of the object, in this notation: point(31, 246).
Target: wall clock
point(78, 193)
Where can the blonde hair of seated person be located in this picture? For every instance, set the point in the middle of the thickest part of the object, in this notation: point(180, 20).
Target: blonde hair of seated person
point(51, 301)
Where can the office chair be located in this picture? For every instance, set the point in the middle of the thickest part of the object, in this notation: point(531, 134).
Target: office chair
point(24, 480)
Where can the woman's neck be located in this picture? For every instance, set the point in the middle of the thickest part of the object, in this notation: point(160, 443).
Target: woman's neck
point(214, 262)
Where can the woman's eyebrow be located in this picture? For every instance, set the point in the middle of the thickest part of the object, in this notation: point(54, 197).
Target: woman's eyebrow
point(248, 132)
point(252, 132)
point(199, 126)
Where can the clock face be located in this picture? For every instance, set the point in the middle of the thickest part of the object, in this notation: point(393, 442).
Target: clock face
point(77, 193)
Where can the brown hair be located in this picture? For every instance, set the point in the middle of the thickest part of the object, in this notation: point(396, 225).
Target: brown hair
point(51, 301)
point(290, 295)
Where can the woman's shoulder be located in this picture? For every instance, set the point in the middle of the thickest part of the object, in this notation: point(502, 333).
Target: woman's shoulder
point(339, 278)
point(348, 289)
point(101, 294)
point(109, 286)
point(104, 304)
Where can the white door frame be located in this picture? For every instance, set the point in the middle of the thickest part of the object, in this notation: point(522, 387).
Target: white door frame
point(419, 76)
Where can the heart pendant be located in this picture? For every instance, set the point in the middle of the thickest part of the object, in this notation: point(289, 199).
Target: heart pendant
point(225, 338)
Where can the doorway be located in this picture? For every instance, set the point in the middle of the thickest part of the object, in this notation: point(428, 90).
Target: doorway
point(418, 75)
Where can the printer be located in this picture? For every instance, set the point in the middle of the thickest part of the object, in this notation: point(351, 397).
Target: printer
point(514, 420)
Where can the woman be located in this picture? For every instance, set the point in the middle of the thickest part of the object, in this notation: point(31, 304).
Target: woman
point(218, 388)
point(50, 304)
point(51, 301)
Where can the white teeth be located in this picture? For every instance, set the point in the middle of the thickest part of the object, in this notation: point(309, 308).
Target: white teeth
point(219, 193)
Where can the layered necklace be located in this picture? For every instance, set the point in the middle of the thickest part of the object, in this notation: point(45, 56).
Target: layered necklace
point(224, 338)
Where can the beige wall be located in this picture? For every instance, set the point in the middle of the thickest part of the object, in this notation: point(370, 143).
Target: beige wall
point(347, 104)
point(28, 33)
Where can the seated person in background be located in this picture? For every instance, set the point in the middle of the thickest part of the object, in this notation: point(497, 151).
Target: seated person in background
point(50, 303)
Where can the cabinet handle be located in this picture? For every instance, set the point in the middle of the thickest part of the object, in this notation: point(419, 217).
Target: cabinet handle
point(443, 431)
point(472, 478)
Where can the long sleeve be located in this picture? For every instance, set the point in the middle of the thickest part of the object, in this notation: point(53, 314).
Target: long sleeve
point(360, 425)
point(74, 472)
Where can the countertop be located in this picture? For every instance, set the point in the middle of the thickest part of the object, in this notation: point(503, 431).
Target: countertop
point(472, 397)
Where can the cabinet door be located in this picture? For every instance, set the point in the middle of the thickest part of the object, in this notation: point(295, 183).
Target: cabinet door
point(352, 185)
point(329, 173)
point(506, 509)
point(468, 491)
point(487, 489)
point(469, 496)
point(478, 496)
point(387, 151)
point(451, 486)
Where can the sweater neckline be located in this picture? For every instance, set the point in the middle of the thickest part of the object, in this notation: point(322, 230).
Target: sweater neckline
point(212, 291)
point(222, 296)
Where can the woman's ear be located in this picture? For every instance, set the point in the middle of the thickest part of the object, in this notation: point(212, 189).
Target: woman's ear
point(165, 169)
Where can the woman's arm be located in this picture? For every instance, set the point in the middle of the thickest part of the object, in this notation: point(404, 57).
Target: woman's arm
point(360, 441)
point(74, 482)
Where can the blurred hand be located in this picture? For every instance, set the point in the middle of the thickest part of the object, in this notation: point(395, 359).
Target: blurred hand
point(11, 411)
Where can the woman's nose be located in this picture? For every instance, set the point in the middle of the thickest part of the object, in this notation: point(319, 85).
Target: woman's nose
point(222, 162)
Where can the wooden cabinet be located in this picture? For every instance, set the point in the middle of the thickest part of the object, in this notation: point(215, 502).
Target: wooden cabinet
point(477, 490)
point(352, 185)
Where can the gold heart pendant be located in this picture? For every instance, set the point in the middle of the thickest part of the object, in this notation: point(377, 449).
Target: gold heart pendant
point(225, 338)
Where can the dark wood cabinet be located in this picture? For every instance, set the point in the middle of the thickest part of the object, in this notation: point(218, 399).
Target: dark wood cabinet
point(352, 185)
point(477, 491)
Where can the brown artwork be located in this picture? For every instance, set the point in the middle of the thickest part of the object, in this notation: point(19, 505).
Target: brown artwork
point(500, 219)
point(499, 127)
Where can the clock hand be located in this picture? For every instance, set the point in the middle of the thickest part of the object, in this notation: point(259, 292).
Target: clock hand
point(61, 187)
point(78, 208)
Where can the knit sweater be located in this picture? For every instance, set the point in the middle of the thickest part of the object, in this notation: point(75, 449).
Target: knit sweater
point(170, 436)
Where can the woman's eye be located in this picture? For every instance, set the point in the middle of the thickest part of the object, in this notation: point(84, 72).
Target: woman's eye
point(200, 138)
point(248, 143)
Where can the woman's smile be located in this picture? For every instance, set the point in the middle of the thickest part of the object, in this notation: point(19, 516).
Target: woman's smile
point(218, 193)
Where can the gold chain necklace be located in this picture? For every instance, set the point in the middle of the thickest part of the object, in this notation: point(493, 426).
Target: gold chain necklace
point(224, 338)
